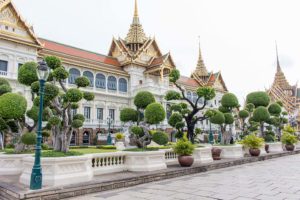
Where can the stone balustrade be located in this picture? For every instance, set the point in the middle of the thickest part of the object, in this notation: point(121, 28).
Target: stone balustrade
point(104, 163)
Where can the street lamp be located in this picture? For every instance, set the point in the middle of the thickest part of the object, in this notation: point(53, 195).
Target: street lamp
point(36, 174)
point(109, 121)
point(211, 137)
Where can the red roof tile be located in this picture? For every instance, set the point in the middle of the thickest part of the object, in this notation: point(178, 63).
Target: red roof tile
point(73, 51)
point(188, 81)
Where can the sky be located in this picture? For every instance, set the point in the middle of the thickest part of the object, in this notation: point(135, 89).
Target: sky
point(237, 36)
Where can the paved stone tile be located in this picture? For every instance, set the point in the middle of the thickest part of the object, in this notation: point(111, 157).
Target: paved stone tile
point(276, 179)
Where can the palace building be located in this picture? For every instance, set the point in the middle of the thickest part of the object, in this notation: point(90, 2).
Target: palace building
point(289, 95)
point(134, 63)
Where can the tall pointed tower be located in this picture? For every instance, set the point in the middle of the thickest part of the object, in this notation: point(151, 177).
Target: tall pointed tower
point(136, 36)
point(201, 70)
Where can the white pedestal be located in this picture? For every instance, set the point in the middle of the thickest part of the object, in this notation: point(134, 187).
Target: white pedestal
point(275, 147)
point(203, 155)
point(12, 164)
point(232, 151)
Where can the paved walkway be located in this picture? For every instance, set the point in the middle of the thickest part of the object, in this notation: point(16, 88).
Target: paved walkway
point(275, 179)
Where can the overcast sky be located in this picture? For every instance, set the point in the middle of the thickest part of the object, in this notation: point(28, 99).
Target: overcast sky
point(237, 36)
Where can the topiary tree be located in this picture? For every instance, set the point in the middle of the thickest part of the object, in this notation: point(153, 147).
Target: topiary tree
point(261, 115)
point(160, 138)
point(278, 117)
point(258, 99)
point(191, 109)
point(29, 139)
point(145, 106)
point(243, 115)
point(58, 100)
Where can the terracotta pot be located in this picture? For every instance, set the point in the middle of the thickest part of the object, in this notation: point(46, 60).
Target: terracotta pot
point(290, 147)
point(254, 152)
point(267, 148)
point(216, 153)
point(185, 161)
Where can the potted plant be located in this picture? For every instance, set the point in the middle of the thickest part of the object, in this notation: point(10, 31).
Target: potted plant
point(216, 153)
point(254, 144)
point(119, 137)
point(269, 137)
point(289, 140)
point(184, 149)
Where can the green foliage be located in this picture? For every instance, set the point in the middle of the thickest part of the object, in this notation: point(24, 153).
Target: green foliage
point(36, 102)
point(107, 147)
point(160, 138)
point(53, 154)
point(183, 147)
point(74, 95)
point(47, 113)
point(60, 73)
point(3, 125)
point(155, 113)
point(261, 114)
point(12, 125)
point(258, 99)
point(183, 105)
point(274, 109)
point(12, 106)
point(79, 116)
point(136, 130)
point(46, 134)
point(5, 89)
point(174, 119)
point(174, 75)
point(77, 123)
point(250, 107)
point(172, 95)
point(217, 118)
point(269, 136)
point(35, 86)
point(207, 93)
point(279, 103)
point(51, 91)
point(4, 81)
point(27, 73)
point(129, 114)
point(45, 147)
point(82, 81)
point(89, 96)
point(54, 121)
point(229, 100)
point(288, 138)
point(119, 136)
point(176, 108)
point(53, 62)
point(243, 114)
point(33, 113)
point(253, 142)
point(289, 129)
point(143, 99)
point(228, 118)
point(223, 109)
point(179, 134)
point(179, 125)
point(74, 106)
point(28, 138)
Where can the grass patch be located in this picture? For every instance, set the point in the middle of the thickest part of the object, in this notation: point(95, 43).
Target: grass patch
point(143, 149)
point(106, 147)
point(53, 154)
point(12, 151)
point(93, 150)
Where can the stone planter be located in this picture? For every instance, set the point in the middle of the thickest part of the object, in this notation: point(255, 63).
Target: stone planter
point(120, 145)
point(60, 171)
point(203, 155)
point(262, 150)
point(12, 164)
point(232, 151)
point(297, 145)
point(275, 147)
point(145, 161)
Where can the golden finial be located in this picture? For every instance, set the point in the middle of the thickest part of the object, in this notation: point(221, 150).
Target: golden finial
point(136, 9)
point(277, 59)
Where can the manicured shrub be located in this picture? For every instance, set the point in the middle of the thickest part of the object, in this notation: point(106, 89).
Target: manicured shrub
point(160, 138)
point(54, 121)
point(261, 114)
point(143, 99)
point(258, 99)
point(29, 138)
point(174, 119)
point(5, 89)
point(79, 116)
point(88, 96)
point(228, 118)
point(46, 134)
point(172, 95)
point(155, 113)
point(128, 114)
point(45, 147)
point(208, 93)
point(253, 142)
point(82, 81)
point(74, 106)
point(274, 109)
point(137, 131)
point(229, 100)
point(33, 113)
point(12, 106)
point(183, 147)
point(174, 75)
point(119, 136)
point(77, 123)
point(4, 81)
point(3, 125)
point(217, 118)
point(243, 114)
point(27, 73)
point(250, 107)
point(223, 109)
point(289, 139)
point(35, 86)
point(53, 62)
point(74, 95)
point(60, 73)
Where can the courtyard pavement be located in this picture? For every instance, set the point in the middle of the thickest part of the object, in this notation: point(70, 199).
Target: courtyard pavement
point(275, 179)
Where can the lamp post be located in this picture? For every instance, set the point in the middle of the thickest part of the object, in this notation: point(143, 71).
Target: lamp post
point(108, 141)
point(36, 174)
point(211, 137)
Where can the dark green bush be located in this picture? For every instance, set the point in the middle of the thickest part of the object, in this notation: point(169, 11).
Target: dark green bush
point(53, 62)
point(82, 81)
point(258, 99)
point(174, 75)
point(3, 125)
point(4, 81)
point(77, 123)
point(137, 131)
point(74, 106)
point(28, 138)
point(5, 89)
point(27, 73)
point(33, 113)
point(174, 119)
point(60, 73)
point(35, 86)
point(274, 109)
point(143, 99)
point(79, 116)
point(12, 106)
point(217, 118)
point(172, 95)
point(88, 96)
point(128, 114)
point(243, 114)
point(45, 147)
point(155, 113)
point(229, 100)
point(54, 120)
point(160, 138)
point(206, 92)
point(74, 95)
point(261, 114)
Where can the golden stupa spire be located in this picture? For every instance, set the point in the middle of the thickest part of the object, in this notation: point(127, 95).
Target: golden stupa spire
point(136, 33)
point(277, 59)
point(201, 68)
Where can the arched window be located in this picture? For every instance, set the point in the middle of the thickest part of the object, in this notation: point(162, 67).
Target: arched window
point(86, 138)
point(73, 74)
point(100, 81)
point(90, 76)
point(112, 83)
point(122, 85)
point(195, 97)
point(189, 95)
point(73, 139)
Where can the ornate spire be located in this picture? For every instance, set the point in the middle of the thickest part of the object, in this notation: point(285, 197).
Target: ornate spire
point(278, 64)
point(201, 68)
point(136, 33)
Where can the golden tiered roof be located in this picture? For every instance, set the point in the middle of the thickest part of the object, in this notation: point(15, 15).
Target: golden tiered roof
point(136, 33)
point(201, 68)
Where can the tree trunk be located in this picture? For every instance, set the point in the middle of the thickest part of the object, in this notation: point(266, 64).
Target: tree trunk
point(1, 140)
point(262, 129)
point(190, 133)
